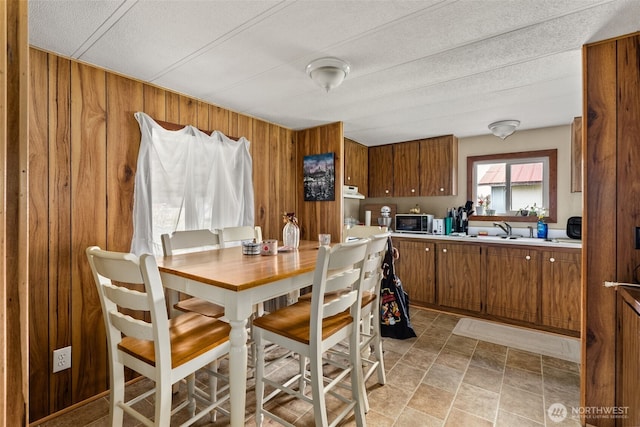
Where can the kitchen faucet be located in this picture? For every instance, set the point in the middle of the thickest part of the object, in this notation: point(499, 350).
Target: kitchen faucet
point(504, 226)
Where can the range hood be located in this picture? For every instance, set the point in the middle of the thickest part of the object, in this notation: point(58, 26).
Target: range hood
point(351, 192)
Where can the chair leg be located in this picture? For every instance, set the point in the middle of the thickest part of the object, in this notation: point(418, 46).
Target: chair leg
point(302, 361)
point(259, 374)
point(191, 386)
point(377, 348)
point(213, 388)
point(116, 395)
point(163, 401)
point(357, 382)
point(317, 391)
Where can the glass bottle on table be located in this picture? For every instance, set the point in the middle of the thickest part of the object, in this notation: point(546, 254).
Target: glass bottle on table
point(291, 231)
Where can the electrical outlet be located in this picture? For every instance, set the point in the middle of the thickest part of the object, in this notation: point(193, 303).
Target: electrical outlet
point(61, 359)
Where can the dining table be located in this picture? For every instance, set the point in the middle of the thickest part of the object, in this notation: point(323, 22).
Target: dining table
point(237, 282)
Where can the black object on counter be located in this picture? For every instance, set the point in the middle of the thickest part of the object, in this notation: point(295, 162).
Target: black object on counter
point(574, 227)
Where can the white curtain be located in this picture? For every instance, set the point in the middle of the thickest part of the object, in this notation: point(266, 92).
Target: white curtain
point(188, 180)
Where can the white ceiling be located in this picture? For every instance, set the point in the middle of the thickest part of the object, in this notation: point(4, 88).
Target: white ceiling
point(418, 68)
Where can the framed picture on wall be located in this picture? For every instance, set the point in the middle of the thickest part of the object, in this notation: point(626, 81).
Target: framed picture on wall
point(319, 177)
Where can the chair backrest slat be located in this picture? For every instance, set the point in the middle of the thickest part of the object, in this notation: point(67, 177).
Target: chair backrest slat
point(338, 269)
point(361, 231)
point(229, 235)
point(372, 267)
point(131, 327)
point(127, 298)
point(189, 240)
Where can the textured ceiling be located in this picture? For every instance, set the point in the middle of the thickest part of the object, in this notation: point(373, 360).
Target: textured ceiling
point(418, 68)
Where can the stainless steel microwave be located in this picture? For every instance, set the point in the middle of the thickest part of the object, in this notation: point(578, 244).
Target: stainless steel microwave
point(413, 223)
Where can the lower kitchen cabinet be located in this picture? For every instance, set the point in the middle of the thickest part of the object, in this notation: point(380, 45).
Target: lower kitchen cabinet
point(415, 267)
point(512, 283)
point(561, 289)
point(459, 273)
point(628, 355)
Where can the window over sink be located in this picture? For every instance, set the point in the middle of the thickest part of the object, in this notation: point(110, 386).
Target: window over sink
point(513, 186)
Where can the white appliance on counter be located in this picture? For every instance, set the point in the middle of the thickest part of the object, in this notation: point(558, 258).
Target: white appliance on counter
point(351, 205)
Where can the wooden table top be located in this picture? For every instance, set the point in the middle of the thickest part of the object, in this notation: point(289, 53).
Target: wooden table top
point(228, 268)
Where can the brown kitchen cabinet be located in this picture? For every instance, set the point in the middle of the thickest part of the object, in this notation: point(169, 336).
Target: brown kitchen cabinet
point(356, 165)
point(406, 169)
point(439, 166)
point(512, 276)
point(560, 289)
point(627, 356)
point(459, 276)
point(415, 267)
point(381, 171)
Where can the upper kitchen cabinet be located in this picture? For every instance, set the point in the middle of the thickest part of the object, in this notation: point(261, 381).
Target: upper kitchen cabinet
point(381, 171)
point(406, 173)
point(424, 167)
point(356, 162)
point(439, 166)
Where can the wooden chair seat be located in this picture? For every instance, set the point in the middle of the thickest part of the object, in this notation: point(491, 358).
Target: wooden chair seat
point(293, 322)
point(201, 306)
point(190, 335)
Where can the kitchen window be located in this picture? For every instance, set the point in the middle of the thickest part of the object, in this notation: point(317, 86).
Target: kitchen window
point(512, 186)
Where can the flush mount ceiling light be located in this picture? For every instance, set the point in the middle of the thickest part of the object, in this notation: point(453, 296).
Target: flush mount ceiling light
point(504, 128)
point(328, 72)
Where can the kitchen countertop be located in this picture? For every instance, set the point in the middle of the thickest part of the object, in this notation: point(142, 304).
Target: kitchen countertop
point(523, 241)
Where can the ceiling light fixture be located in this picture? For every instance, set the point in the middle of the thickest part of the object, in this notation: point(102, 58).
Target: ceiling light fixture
point(328, 72)
point(504, 128)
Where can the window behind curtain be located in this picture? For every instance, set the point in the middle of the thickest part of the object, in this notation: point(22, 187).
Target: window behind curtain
point(188, 180)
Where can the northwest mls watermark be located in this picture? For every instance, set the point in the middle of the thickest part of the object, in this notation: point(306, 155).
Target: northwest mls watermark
point(557, 412)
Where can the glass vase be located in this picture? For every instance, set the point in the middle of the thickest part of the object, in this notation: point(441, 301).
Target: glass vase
point(291, 235)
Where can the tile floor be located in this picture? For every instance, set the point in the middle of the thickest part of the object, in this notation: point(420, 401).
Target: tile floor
point(436, 379)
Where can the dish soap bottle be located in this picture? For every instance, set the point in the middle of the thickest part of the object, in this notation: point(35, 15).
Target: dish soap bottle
point(542, 229)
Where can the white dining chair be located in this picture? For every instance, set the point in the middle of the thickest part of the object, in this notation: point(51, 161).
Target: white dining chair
point(164, 350)
point(310, 330)
point(191, 241)
point(370, 334)
point(231, 235)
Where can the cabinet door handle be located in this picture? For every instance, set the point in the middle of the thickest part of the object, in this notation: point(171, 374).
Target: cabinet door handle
point(426, 249)
point(552, 259)
point(413, 190)
point(348, 178)
point(441, 188)
point(386, 191)
point(444, 250)
point(528, 257)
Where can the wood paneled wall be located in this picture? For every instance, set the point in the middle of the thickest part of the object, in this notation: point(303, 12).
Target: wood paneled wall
point(83, 144)
point(612, 205)
point(325, 216)
point(14, 237)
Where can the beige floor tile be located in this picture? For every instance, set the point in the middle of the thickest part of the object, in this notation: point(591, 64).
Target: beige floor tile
point(444, 377)
point(523, 379)
point(487, 379)
point(458, 418)
point(390, 358)
point(522, 403)
point(453, 359)
point(389, 400)
point(488, 359)
point(405, 376)
point(507, 419)
point(524, 360)
point(559, 380)
point(414, 418)
point(420, 359)
point(432, 400)
point(429, 343)
point(477, 401)
point(446, 321)
point(437, 332)
point(484, 346)
point(554, 362)
point(461, 344)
